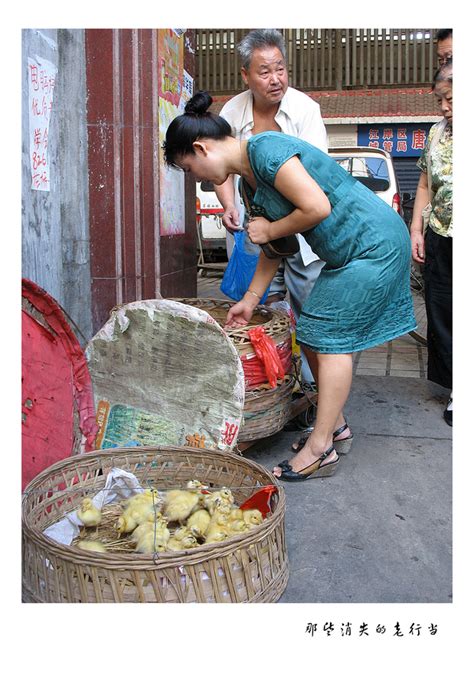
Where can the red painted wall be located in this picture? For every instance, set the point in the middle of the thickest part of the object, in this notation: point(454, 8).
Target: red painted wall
point(129, 259)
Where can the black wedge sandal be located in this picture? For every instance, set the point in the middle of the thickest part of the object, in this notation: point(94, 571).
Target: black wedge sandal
point(314, 470)
point(343, 446)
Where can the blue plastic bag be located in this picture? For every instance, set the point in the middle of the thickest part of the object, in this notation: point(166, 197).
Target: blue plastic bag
point(240, 270)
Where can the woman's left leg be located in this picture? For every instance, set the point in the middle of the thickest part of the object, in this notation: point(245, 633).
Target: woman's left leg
point(334, 375)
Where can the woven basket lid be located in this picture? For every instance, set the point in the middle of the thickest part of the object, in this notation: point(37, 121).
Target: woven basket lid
point(165, 373)
point(58, 415)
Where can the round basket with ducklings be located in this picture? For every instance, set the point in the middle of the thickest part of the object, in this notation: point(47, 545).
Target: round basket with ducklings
point(154, 524)
point(153, 521)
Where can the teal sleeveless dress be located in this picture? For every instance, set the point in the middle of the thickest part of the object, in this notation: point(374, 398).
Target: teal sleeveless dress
point(362, 296)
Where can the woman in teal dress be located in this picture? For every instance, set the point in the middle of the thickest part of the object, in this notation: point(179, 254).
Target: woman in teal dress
point(362, 296)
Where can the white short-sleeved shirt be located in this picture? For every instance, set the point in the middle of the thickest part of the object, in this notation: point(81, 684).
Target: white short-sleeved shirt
point(298, 115)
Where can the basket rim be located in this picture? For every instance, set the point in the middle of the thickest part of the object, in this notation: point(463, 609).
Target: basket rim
point(161, 560)
point(276, 316)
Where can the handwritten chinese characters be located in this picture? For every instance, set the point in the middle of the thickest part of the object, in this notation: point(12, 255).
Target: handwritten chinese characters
point(414, 629)
point(41, 82)
point(229, 434)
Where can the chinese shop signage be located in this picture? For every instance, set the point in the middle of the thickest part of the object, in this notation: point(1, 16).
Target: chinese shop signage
point(41, 80)
point(396, 139)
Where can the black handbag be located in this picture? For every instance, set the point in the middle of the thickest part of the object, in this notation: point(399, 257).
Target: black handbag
point(276, 248)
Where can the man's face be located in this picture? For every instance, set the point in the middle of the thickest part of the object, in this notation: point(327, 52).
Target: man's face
point(444, 50)
point(266, 76)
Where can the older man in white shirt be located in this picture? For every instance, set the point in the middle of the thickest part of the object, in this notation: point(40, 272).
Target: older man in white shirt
point(270, 104)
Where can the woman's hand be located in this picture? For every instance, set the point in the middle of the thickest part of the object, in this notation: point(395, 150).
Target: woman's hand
point(231, 219)
point(417, 246)
point(241, 313)
point(259, 230)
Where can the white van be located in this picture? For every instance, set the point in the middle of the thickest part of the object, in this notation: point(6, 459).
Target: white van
point(212, 233)
point(374, 168)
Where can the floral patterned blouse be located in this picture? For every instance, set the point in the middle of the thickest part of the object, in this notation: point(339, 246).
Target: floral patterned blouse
point(441, 180)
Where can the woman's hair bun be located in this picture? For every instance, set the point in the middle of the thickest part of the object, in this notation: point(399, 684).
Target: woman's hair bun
point(198, 104)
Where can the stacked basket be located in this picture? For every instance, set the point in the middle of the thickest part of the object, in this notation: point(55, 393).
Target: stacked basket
point(266, 409)
point(251, 567)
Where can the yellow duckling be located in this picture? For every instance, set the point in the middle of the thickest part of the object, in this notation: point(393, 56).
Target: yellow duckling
point(149, 495)
point(153, 541)
point(141, 511)
point(196, 485)
point(88, 513)
point(210, 502)
point(127, 522)
point(237, 526)
point(236, 514)
point(226, 495)
point(93, 546)
point(221, 514)
point(182, 541)
point(215, 534)
point(158, 525)
point(252, 517)
point(198, 522)
point(179, 504)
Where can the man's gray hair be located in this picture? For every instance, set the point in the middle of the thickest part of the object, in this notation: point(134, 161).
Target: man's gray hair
point(260, 38)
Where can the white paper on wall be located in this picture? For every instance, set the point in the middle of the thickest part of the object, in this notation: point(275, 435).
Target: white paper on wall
point(41, 81)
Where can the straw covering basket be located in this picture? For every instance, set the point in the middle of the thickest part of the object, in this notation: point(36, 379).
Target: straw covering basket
point(248, 568)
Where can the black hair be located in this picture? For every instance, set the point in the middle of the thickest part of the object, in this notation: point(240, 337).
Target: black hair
point(196, 123)
point(443, 34)
point(444, 73)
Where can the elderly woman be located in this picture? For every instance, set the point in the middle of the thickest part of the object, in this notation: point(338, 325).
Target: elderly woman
point(362, 297)
point(434, 250)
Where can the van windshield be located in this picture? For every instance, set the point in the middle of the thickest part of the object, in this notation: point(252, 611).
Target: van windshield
point(372, 172)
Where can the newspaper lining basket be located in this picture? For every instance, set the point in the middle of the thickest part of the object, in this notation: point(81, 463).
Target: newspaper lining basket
point(266, 409)
point(248, 568)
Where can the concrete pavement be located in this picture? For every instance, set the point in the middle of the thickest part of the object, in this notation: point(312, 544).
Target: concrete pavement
point(379, 530)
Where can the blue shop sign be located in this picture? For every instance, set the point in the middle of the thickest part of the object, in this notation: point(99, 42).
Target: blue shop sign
point(397, 139)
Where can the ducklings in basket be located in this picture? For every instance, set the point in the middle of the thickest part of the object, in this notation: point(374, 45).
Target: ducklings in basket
point(150, 495)
point(154, 523)
point(182, 539)
point(219, 497)
point(216, 533)
point(127, 521)
point(252, 517)
point(179, 504)
point(154, 540)
point(221, 515)
point(236, 526)
point(93, 546)
point(88, 513)
point(198, 523)
point(235, 514)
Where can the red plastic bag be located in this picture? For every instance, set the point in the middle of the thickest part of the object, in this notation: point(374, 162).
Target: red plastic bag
point(266, 351)
point(260, 500)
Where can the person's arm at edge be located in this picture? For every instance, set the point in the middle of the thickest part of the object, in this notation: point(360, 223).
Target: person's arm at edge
point(422, 198)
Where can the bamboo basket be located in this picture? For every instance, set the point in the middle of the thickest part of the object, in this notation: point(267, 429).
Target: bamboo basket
point(248, 568)
point(275, 323)
point(266, 410)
